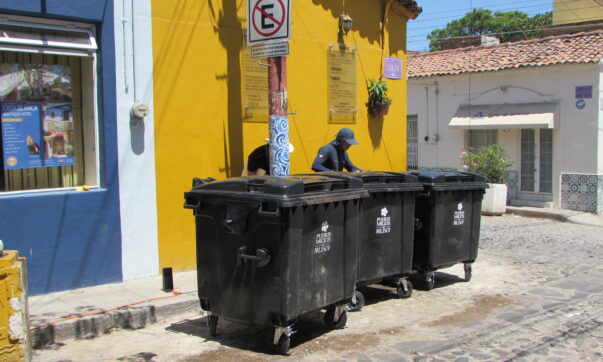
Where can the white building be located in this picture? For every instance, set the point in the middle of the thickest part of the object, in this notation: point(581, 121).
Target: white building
point(542, 100)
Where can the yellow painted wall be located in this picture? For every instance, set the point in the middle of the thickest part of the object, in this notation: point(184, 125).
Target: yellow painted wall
point(198, 123)
point(576, 11)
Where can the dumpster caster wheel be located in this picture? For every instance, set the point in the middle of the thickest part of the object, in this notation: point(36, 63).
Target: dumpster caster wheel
point(330, 318)
point(404, 289)
point(357, 303)
point(468, 272)
point(282, 347)
point(212, 323)
point(429, 281)
point(284, 340)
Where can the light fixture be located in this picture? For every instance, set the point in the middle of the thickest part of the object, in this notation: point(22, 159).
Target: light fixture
point(345, 24)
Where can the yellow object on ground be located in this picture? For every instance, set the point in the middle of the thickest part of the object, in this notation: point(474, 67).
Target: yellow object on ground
point(14, 320)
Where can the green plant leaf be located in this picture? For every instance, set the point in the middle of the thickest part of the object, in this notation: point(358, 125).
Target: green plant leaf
point(490, 161)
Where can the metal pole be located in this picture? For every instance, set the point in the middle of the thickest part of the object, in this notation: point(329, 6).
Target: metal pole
point(279, 123)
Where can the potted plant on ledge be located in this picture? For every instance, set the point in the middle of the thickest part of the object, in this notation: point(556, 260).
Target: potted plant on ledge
point(378, 102)
point(492, 162)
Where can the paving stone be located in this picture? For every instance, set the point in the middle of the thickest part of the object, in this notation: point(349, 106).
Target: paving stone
point(547, 292)
point(481, 356)
point(387, 357)
point(424, 346)
point(511, 316)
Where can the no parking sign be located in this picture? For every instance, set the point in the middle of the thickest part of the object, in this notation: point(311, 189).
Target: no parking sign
point(267, 21)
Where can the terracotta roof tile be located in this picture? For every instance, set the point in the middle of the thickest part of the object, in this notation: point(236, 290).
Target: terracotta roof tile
point(574, 48)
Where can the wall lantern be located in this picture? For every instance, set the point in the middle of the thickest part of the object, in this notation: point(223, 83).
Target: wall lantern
point(345, 24)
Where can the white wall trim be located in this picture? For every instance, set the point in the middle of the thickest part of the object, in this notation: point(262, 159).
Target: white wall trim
point(136, 142)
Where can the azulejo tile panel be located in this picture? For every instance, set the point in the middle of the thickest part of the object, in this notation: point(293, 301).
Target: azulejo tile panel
point(582, 192)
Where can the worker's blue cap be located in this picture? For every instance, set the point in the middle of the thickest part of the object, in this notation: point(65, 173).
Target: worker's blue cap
point(347, 135)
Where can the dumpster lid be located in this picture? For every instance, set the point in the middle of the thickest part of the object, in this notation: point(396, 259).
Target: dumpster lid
point(390, 181)
point(287, 190)
point(451, 180)
point(380, 181)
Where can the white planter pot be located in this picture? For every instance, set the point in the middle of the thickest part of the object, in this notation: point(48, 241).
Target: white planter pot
point(495, 200)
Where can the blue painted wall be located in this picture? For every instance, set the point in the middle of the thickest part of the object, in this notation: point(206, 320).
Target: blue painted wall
point(72, 239)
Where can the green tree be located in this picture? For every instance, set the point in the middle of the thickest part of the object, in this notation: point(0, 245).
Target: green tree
point(506, 25)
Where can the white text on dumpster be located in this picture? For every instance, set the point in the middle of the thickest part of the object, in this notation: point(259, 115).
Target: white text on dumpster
point(459, 215)
point(384, 223)
point(323, 239)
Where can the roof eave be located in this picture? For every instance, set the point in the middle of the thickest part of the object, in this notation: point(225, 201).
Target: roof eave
point(406, 9)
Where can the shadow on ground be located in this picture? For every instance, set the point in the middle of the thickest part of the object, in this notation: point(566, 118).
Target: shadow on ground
point(376, 293)
point(250, 338)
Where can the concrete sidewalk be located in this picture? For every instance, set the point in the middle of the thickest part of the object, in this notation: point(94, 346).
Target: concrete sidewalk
point(93, 311)
point(89, 312)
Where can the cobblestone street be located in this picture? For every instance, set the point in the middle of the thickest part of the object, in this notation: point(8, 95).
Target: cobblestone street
point(536, 294)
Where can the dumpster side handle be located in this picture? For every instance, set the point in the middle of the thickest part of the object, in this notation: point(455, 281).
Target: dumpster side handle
point(261, 257)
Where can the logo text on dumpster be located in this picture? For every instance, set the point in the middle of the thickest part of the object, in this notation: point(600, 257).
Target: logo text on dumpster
point(323, 239)
point(384, 223)
point(459, 215)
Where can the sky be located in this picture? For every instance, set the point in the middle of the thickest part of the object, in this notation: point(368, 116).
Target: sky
point(437, 13)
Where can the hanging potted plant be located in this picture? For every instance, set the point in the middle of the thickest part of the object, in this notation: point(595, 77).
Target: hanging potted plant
point(378, 101)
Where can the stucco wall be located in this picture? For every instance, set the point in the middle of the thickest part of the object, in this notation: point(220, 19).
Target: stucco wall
point(136, 140)
point(575, 138)
point(575, 11)
point(197, 82)
point(600, 131)
point(72, 239)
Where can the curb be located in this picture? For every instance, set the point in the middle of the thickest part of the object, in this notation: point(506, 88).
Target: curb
point(537, 214)
point(127, 318)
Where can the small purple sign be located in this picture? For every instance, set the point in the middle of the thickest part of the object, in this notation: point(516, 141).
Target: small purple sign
point(584, 91)
point(392, 68)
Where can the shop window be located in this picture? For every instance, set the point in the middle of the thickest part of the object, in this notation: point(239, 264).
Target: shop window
point(47, 106)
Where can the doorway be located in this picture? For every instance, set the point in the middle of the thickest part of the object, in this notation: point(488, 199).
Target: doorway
point(536, 171)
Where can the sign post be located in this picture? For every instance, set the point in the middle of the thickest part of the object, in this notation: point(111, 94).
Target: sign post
point(268, 22)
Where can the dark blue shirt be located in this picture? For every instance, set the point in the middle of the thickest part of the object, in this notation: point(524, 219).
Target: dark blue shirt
point(331, 157)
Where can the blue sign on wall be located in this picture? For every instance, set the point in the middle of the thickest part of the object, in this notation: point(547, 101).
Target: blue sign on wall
point(585, 91)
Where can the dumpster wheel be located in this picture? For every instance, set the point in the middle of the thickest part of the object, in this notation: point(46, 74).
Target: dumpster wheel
point(428, 281)
point(330, 318)
point(356, 303)
point(468, 271)
point(404, 289)
point(283, 345)
point(212, 323)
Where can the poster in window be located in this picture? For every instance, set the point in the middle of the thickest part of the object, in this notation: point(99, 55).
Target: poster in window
point(37, 116)
point(342, 84)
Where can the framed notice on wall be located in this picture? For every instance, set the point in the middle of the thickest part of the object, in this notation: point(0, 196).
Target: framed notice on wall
point(341, 84)
point(254, 88)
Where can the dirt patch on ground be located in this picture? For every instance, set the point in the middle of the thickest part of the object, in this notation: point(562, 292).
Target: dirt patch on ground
point(483, 305)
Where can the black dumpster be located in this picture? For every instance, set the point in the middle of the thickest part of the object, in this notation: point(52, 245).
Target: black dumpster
point(448, 222)
point(270, 249)
point(385, 245)
point(386, 230)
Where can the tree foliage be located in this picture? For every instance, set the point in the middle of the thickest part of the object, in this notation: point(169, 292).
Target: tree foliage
point(506, 25)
